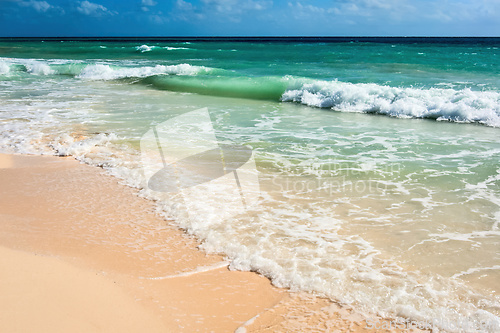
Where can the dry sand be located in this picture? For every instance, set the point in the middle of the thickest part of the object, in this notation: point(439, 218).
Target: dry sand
point(81, 253)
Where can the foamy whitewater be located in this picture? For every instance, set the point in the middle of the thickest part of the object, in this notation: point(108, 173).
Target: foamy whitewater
point(378, 163)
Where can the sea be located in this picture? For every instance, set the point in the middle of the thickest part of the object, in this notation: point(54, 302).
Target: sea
point(377, 159)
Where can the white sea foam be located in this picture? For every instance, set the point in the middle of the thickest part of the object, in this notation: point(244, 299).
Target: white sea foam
point(441, 104)
point(171, 48)
point(33, 66)
point(144, 48)
point(66, 145)
point(97, 71)
point(39, 68)
point(4, 68)
point(108, 72)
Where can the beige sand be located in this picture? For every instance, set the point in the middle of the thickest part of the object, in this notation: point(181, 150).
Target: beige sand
point(80, 252)
point(43, 294)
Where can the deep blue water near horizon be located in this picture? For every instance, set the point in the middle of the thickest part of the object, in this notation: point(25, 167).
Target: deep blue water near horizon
point(378, 157)
point(287, 39)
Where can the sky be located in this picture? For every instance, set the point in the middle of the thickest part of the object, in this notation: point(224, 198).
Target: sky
point(60, 18)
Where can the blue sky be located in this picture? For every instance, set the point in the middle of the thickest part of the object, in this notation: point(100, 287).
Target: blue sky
point(250, 17)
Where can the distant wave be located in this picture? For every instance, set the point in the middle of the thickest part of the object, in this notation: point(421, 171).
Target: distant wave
point(147, 48)
point(144, 48)
point(170, 48)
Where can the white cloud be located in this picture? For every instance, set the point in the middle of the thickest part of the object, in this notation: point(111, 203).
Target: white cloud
point(226, 10)
point(471, 10)
point(396, 9)
point(258, 5)
point(158, 18)
point(236, 6)
point(186, 11)
point(146, 4)
point(221, 5)
point(404, 10)
point(93, 9)
point(382, 4)
point(39, 6)
point(305, 11)
point(184, 5)
point(149, 3)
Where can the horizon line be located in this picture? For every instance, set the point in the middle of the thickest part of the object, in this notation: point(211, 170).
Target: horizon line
point(242, 37)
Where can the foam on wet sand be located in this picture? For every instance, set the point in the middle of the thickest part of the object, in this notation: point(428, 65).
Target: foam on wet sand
point(80, 252)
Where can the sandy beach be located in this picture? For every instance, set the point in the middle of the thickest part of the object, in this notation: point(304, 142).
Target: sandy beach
point(80, 252)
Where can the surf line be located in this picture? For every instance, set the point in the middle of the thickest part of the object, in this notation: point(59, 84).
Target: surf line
point(200, 269)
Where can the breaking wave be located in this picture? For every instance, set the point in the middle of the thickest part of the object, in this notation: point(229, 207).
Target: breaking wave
point(463, 105)
point(107, 72)
point(442, 104)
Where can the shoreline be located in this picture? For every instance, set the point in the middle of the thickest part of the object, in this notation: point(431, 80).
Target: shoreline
point(72, 231)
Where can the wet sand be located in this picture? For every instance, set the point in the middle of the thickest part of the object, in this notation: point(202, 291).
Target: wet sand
point(80, 252)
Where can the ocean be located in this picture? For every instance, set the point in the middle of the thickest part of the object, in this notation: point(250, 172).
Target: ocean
point(378, 159)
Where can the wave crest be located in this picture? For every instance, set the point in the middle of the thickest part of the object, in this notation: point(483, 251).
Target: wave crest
point(147, 48)
point(441, 104)
point(4, 68)
point(108, 72)
point(144, 48)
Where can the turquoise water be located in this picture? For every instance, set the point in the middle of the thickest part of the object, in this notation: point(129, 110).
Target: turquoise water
point(378, 163)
